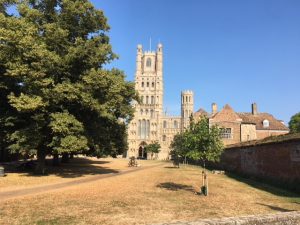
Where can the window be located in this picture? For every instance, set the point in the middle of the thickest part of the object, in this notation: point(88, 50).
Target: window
point(266, 123)
point(143, 129)
point(147, 99)
point(147, 111)
point(139, 128)
point(142, 84)
point(164, 138)
point(152, 113)
point(141, 112)
point(152, 99)
point(225, 133)
point(148, 63)
point(147, 84)
point(165, 124)
point(153, 84)
point(175, 124)
point(142, 99)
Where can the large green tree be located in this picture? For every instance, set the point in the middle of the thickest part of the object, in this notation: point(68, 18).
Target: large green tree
point(56, 96)
point(294, 123)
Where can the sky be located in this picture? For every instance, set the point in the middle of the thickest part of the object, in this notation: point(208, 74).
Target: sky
point(235, 52)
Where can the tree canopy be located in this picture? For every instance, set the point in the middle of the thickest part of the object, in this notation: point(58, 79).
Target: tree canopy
point(56, 95)
point(153, 148)
point(199, 142)
point(294, 123)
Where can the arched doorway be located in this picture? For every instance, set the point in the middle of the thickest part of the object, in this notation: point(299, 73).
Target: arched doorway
point(142, 150)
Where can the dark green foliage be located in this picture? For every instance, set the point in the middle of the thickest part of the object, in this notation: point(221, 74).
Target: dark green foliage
point(198, 142)
point(294, 123)
point(55, 95)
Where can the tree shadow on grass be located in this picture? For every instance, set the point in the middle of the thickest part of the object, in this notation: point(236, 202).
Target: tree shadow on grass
point(175, 187)
point(76, 167)
point(264, 186)
point(276, 208)
point(171, 167)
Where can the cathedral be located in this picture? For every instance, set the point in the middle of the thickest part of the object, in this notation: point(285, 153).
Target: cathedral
point(150, 124)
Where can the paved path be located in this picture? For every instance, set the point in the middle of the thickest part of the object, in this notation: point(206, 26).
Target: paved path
point(5, 195)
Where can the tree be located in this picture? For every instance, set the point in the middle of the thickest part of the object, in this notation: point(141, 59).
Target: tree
point(200, 142)
point(153, 148)
point(56, 96)
point(204, 142)
point(179, 147)
point(294, 123)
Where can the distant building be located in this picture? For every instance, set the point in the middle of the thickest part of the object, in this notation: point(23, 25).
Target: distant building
point(151, 124)
point(239, 127)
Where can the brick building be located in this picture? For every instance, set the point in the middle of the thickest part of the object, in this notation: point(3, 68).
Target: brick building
point(240, 127)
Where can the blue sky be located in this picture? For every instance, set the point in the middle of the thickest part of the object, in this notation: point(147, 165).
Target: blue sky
point(232, 51)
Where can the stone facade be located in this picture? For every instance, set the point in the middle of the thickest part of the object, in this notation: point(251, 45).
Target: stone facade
point(150, 123)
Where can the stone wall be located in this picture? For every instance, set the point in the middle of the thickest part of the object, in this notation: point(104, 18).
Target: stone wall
point(248, 132)
point(288, 218)
point(276, 159)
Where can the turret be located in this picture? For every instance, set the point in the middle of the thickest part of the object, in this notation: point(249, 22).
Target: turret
point(187, 107)
point(159, 62)
point(139, 55)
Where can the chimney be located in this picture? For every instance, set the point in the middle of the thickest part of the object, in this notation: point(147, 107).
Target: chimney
point(254, 109)
point(214, 108)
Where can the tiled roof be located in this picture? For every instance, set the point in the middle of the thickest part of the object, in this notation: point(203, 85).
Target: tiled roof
point(200, 112)
point(258, 119)
point(226, 114)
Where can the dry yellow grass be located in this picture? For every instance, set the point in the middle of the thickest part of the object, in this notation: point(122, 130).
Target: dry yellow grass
point(77, 168)
point(158, 194)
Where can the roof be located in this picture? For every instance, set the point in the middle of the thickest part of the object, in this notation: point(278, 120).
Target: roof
point(267, 140)
point(226, 114)
point(258, 119)
point(200, 112)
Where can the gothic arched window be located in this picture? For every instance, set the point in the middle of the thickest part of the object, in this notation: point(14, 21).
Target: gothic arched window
point(148, 63)
point(152, 99)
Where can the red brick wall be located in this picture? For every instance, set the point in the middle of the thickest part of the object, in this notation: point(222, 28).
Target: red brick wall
point(279, 162)
point(261, 134)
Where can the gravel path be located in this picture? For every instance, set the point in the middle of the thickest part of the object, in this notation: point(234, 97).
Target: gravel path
point(5, 195)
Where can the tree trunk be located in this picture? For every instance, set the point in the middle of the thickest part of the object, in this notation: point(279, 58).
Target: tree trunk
point(72, 156)
point(55, 161)
point(65, 158)
point(40, 167)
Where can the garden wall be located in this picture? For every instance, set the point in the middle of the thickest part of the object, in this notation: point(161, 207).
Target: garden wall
point(275, 159)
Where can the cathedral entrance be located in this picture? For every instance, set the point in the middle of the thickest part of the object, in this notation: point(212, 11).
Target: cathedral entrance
point(142, 151)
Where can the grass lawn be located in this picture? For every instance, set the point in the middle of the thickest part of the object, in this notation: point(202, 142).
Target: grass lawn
point(153, 195)
point(77, 168)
